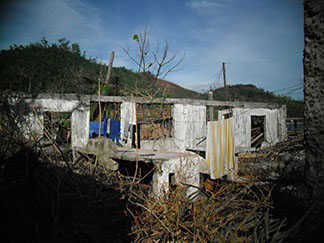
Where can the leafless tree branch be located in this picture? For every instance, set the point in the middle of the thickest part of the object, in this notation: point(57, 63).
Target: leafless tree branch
point(153, 65)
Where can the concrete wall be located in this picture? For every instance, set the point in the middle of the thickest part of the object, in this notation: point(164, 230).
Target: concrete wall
point(189, 122)
point(282, 126)
point(30, 126)
point(79, 119)
point(80, 112)
point(275, 128)
point(186, 170)
point(314, 94)
point(189, 127)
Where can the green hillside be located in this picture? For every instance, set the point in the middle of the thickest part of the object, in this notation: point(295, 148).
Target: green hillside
point(246, 92)
point(250, 93)
point(62, 68)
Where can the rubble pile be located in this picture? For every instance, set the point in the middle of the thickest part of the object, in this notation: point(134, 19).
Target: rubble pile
point(268, 164)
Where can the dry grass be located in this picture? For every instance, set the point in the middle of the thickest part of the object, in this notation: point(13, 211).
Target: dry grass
point(232, 212)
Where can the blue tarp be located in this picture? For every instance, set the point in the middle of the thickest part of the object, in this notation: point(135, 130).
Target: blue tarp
point(94, 128)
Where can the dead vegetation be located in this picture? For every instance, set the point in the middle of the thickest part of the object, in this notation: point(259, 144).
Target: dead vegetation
point(230, 213)
point(45, 196)
point(281, 161)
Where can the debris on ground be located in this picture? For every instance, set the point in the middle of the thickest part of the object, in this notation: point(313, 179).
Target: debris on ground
point(268, 164)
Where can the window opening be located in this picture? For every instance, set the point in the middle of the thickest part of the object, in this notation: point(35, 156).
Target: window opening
point(57, 125)
point(155, 121)
point(257, 131)
point(110, 111)
point(227, 109)
point(172, 182)
point(228, 115)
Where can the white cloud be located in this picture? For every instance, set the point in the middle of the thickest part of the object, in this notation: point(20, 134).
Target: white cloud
point(206, 6)
point(67, 18)
point(75, 20)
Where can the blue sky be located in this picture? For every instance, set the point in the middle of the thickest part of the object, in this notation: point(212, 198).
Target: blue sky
point(261, 41)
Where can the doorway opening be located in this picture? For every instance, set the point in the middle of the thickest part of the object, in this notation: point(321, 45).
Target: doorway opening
point(257, 131)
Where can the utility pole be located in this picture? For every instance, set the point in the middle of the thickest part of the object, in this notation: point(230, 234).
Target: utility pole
point(112, 55)
point(211, 108)
point(224, 76)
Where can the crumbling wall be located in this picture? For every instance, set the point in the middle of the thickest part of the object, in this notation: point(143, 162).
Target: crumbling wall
point(189, 128)
point(186, 170)
point(282, 127)
point(25, 118)
point(33, 124)
point(314, 93)
point(275, 129)
point(189, 123)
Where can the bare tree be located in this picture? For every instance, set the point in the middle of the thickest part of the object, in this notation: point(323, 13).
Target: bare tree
point(153, 65)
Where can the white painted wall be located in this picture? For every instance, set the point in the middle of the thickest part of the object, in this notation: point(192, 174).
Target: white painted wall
point(79, 109)
point(189, 123)
point(186, 169)
point(275, 129)
point(282, 129)
point(80, 126)
point(79, 119)
point(189, 127)
point(30, 126)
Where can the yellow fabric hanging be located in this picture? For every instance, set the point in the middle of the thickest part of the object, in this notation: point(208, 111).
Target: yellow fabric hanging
point(220, 148)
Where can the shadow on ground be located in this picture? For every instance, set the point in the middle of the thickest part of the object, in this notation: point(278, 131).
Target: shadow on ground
point(43, 202)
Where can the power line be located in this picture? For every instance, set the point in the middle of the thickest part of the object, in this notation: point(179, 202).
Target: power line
point(290, 87)
point(217, 78)
point(294, 90)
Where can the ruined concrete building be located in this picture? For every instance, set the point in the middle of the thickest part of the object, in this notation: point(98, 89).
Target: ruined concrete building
point(190, 145)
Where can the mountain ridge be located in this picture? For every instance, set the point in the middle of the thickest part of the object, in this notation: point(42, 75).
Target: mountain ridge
point(61, 68)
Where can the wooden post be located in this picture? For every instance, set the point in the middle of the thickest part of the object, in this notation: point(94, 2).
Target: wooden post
point(224, 76)
point(112, 55)
point(211, 108)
